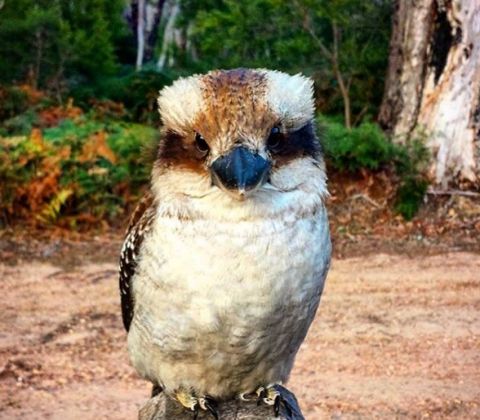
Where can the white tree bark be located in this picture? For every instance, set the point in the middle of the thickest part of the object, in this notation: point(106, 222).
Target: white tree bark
point(146, 20)
point(171, 33)
point(433, 84)
point(140, 34)
point(449, 108)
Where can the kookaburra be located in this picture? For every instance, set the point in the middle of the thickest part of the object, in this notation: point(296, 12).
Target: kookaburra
point(225, 257)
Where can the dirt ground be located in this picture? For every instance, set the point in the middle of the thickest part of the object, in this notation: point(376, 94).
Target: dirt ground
point(396, 336)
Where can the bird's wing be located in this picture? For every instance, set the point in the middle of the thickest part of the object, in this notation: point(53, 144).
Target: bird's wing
point(139, 226)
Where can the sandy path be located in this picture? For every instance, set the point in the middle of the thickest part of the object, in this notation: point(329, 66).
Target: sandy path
point(395, 337)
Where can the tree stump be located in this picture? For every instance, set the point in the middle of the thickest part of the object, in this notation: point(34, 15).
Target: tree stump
point(162, 407)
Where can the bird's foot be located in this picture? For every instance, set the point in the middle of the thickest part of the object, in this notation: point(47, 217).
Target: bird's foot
point(196, 404)
point(268, 395)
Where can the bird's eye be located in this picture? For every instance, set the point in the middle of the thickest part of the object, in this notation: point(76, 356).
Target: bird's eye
point(275, 138)
point(201, 144)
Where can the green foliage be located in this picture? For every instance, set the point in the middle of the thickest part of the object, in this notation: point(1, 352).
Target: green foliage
point(91, 27)
point(84, 48)
point(411, 165)
point(29, 34)
point(63, 166)
point(366, 146)
point(137, 91)
point(20, 124)
point(286, 36)
point(17, 108)
point(81, 170)
point(256, 33)
point(13, 101)
point(410, 195)
point(49, 42)
point(413, 156)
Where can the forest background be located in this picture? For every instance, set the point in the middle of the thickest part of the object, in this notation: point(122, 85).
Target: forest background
point(79, 81)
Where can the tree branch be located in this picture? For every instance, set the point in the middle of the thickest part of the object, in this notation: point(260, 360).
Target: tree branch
point(432, 191)
point(161, 407)
point(332, 56)
point(344, 90)
point(307, 25)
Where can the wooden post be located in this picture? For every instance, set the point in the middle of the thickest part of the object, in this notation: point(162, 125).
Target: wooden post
point(161, 407)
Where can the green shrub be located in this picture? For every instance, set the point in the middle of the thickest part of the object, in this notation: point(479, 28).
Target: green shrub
point(410, 195)
point(411, 164)
point(366, 146)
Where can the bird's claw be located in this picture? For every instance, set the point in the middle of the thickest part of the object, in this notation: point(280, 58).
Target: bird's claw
point(195, 404)
point(209, 404)
point(268, 395)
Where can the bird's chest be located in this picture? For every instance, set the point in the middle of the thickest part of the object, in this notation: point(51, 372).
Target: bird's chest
point(213, 300)
point(197, 278)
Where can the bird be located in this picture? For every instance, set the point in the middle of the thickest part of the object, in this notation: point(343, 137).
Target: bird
point(225, 257)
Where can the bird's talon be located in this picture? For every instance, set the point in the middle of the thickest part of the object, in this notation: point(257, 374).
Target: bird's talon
point(202, 403)
point(190, 402)
point(260, 392)
point(261, 395)
point(247, 396)
point(267, 395)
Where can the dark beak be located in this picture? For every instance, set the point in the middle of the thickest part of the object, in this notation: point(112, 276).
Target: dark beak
point(241, 170)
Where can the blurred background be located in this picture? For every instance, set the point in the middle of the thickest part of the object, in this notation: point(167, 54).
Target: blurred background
point(79, 81)
point(397, 87)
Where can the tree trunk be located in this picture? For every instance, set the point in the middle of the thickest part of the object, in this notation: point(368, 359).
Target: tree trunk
point(140, 33)
point(38, 59)
point(154, 15)
point(144, 18)
point(161, 407)
point(433, 84)
point(170, 33)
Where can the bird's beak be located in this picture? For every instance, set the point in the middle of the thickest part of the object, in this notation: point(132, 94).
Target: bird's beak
point(240, 171)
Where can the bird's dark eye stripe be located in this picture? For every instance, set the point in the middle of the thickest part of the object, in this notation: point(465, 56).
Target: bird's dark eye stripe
point(201, 143)
point(304, 140)
point(301, 141)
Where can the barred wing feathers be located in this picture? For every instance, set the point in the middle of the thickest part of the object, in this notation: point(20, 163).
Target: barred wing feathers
point(140, 224)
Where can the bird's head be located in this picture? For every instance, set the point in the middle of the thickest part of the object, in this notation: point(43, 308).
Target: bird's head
point(239, 133)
